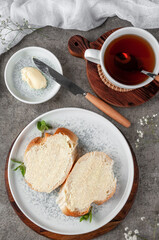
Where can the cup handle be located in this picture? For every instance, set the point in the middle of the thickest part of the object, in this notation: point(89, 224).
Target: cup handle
point(92, 55)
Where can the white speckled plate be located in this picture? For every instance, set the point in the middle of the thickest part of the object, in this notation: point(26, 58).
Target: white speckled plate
point(95, 134)
point(20, 89)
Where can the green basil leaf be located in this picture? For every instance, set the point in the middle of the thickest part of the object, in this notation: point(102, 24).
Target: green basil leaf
point(90, 216)
point(81, 219)
point(13, 160)
point(22, 169)
point(46, 127)
point(39, 125)
point(43, 122)
point(49, 126)
point(87, 216)
point(15, 169)
point(42, 128)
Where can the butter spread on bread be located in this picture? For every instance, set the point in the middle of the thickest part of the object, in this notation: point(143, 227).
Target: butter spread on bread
point(90, 181)
point(48, 160)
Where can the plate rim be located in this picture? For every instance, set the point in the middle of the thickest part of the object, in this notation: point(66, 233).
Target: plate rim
point(6, 69)
point(127, 193)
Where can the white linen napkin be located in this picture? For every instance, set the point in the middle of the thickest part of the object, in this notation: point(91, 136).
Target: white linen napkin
point(70, 14)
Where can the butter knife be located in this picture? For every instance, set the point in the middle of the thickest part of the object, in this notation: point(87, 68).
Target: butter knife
point(73, 88)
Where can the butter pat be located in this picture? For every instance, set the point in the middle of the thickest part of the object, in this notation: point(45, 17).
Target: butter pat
point(33, 77)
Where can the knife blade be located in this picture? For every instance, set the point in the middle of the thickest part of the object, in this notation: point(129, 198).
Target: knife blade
point(72, 87)
point(59, 78)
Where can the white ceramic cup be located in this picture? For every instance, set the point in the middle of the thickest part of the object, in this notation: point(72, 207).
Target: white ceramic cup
point(97, 56)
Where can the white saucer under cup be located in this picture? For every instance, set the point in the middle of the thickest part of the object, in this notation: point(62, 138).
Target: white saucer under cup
point(20, 89)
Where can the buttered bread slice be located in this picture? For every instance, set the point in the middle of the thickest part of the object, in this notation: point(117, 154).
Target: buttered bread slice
point(48, 160)
point(91, 180)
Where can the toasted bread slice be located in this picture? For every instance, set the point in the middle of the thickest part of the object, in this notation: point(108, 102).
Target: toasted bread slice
point(48, 160)
point(90, 181)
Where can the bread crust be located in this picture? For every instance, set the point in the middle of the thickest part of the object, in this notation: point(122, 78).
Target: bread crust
point(40, 140)
point(67, 212)
point(67, 132)
point(36, 141)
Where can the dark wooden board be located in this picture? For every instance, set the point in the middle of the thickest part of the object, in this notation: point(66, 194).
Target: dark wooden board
point(106, 228)
point(77, 46)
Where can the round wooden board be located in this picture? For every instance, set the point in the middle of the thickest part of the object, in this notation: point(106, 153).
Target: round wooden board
point(106, 228)
point(77, 46)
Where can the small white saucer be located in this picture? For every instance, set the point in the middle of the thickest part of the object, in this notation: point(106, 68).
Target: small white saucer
point(20, 89)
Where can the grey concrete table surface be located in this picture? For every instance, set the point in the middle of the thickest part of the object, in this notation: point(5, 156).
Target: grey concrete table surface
point(15, 115)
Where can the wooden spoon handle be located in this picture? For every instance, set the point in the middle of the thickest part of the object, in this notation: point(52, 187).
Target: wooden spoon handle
point(157, 78)
point(104, 107)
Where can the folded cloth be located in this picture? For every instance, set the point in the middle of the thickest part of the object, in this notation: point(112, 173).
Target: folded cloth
point(71, 14)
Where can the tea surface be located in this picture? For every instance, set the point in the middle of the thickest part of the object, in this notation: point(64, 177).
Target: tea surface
point(133, 45)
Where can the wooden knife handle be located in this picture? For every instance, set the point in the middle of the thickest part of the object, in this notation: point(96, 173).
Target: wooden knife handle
point(104, 107)
point(157, 78)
